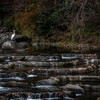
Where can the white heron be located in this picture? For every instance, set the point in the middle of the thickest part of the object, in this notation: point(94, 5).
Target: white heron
point(13, 35)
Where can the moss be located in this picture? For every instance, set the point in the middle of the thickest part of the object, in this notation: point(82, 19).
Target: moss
point(12, 66)
point(17, 25)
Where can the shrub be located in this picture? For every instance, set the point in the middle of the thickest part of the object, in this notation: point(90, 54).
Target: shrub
point(8, 22)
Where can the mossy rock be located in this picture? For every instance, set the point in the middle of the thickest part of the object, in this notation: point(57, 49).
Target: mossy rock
point(12, 66)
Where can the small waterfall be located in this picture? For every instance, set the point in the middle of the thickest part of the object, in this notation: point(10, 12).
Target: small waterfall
point(29, 98)
point(50, 95)
point(46, 72)
point(8, 59)
point(55, 95)
point(39, 96)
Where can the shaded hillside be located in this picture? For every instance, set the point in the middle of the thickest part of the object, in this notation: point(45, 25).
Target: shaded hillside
point(56, 20)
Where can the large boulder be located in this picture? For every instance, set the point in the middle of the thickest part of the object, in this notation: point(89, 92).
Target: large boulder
point(74, 88)
point(4, 38)
point(51, 81)
point(21, 38)
point(9, 45)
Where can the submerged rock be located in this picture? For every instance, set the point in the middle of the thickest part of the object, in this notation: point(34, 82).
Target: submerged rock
point(75, 88)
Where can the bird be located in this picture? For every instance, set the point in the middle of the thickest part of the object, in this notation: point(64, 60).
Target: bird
point(13, 35)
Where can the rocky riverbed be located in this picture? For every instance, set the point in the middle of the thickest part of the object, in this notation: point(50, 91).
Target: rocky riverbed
point(45, 71)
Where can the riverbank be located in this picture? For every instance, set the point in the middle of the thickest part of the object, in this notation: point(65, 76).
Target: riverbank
point(23, 42)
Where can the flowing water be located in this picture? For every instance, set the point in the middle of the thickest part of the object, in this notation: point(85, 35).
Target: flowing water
point(21, 83)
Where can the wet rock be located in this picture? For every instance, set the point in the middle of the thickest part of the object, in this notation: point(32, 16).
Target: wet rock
point(79, 70)
point(4, 66)
point(81, 78)
point(2, 58)
point(51, 81)
point(16, 84)
point(75, 88)
point(18, 58)
point(21, 51)
point(9, 45)
point(56, 71)
point(35, 58)
point(70, 93)
point(90, 88)
point(89, 78)
point(21, 38)
point(23, 44)
point(31, 58)
point(35, 96)
point(90, 68)
point(46, 64)
point(4, 39)
point(63, 79)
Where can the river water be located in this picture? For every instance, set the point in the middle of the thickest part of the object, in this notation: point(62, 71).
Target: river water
point(21, 84)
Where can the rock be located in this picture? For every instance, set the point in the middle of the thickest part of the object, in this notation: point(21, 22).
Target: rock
point(51, 81)
point(84, 78)
point(63, 79)
point(21, 51)
point(31, 58)
point(79, 70)
point(2, 58)
point(33, 96)
point(3, 30)
point(16, 84)
point(9, 45)
point(75, 88)
point(90, 68)
point(35, 58)
point(4, 66)
point(18, 58)
point(70, 93)
point(4, 39)
point(23, 44)
point(90, 88)
point(21, 38)
point(89, 78)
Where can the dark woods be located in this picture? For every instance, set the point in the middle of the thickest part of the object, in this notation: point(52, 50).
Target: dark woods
point(53, 20)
